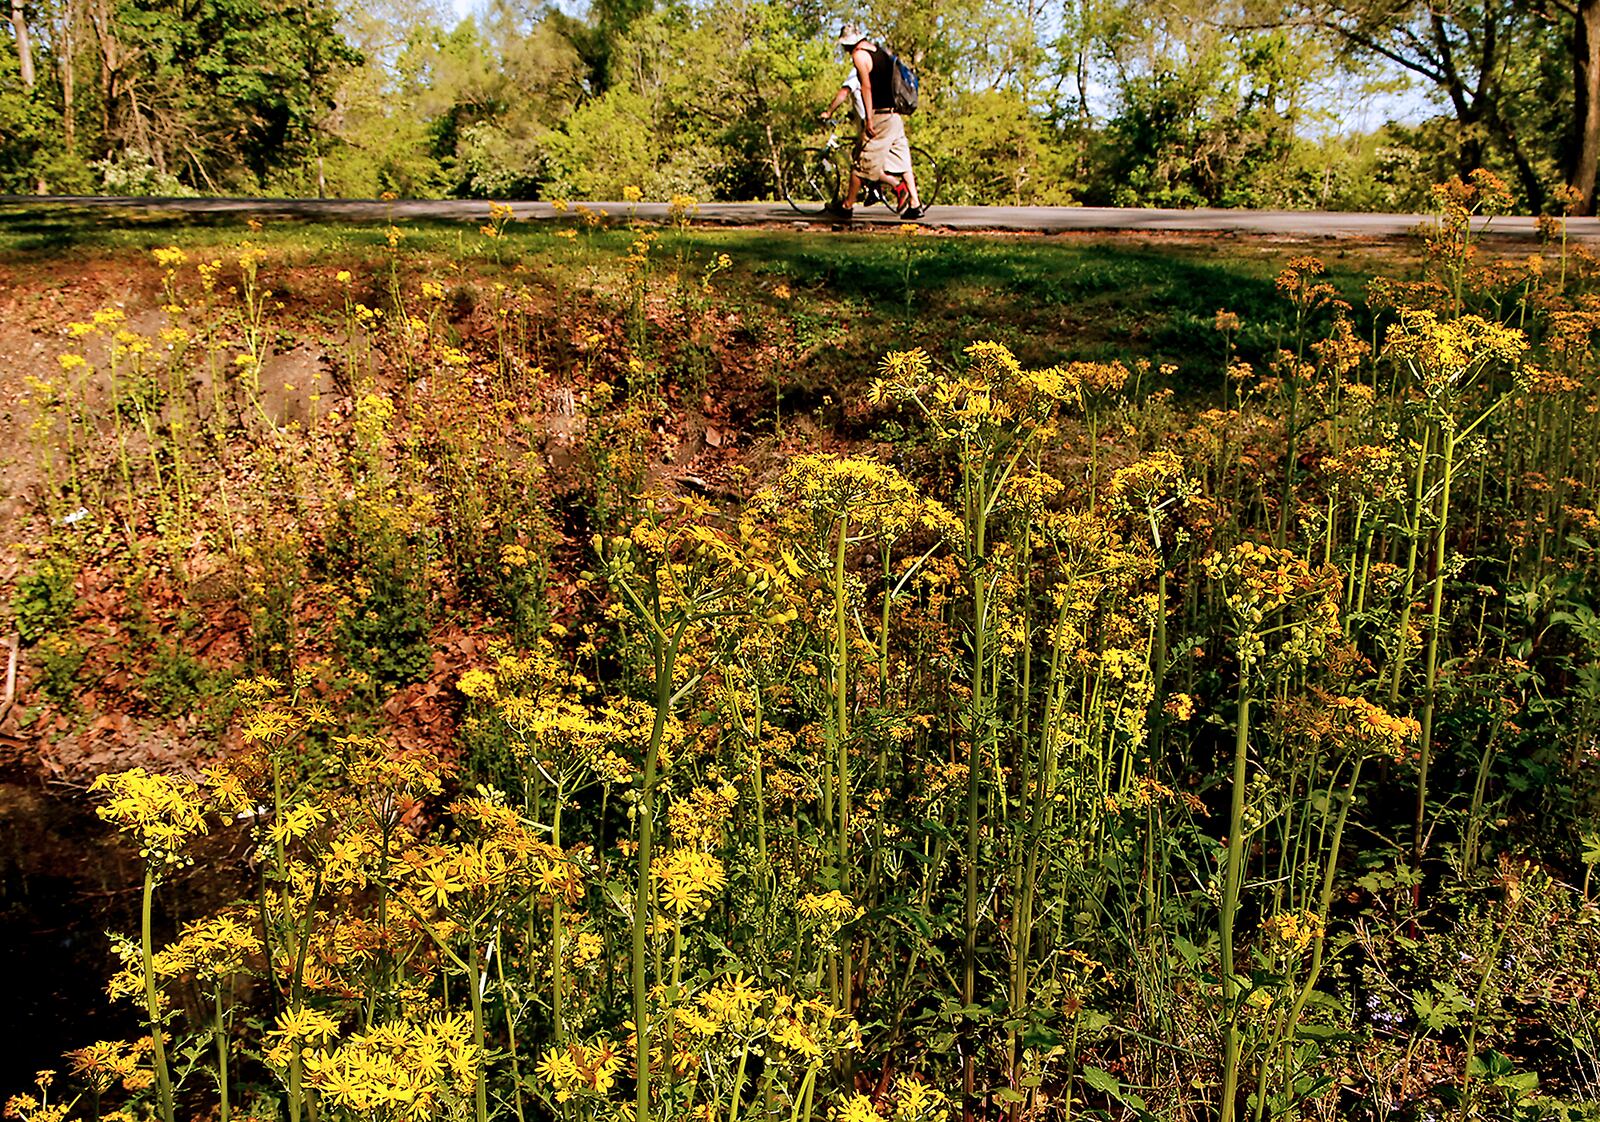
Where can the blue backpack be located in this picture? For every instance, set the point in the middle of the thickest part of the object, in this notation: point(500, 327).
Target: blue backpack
point(904, 82)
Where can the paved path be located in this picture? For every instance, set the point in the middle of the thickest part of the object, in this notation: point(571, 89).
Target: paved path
point(1027, 219)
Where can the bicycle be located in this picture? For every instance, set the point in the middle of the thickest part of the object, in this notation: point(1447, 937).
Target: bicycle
point(816, 177)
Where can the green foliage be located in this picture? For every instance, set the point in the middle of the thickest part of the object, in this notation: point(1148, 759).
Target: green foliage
point(251, 79)
point(1117, 104)
point(58, 659)
point(44, 598)
point(992, 147)
point(384, 607)
point(180, 684)
point(607, 144)
point(29, 139)
point(383, 631)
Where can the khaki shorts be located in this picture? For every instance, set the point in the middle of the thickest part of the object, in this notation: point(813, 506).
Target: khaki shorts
point(887, 152)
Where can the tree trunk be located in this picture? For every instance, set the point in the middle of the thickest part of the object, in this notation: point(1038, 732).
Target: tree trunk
point(1584, 150)
point(66, 68)
point(105, 39)
point(19, 24)
point(1533, 188)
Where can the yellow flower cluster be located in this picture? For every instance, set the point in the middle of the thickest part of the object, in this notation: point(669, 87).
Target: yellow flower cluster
point(682, 208)
point(506, 854)
point(1144, 482)
point(993, 395)
point(382, 771)
point(1086, 972)
point(1297, 282)
point(1178, 707)
point(918, 1101)
point(697, 821)
point(696, 570)
point(1259, 581)
point(583, 949)
point(374, 415)
point(1343, 350)
point(576, 1069)
point(1364, 727)
point(211, 949)
point(1296, 931)
point(1372, 471)
point(687, 879)
point(162, 813)
point(479, 685)
point(875, 500)
point(107, 1063)
point(639, 252)
point(832, 907)
point(812, 1030)
point(29, 1108)
point(514, 555)
point(404, 1070)
point(1442, 352)
point(857, 1108)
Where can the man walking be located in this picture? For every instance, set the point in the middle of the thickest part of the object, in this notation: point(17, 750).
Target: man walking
point(883, 154)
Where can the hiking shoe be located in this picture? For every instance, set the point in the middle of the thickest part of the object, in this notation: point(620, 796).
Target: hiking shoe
point(840, 213)
point(913, 213)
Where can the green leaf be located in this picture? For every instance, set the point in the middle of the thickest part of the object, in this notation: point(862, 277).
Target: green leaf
point(1101, 1080)
point(1521, 1081)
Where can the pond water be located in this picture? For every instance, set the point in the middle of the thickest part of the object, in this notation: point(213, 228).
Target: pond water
point(65, 880)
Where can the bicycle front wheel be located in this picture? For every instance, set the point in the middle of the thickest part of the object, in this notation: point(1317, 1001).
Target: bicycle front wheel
point(927, 172)
point(814, 179)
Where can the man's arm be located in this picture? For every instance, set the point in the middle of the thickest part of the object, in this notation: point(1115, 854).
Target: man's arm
point(838, 100)
point(863, 63)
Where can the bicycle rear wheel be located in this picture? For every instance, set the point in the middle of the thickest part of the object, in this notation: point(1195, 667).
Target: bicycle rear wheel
point(814, 179)
point(927, 171)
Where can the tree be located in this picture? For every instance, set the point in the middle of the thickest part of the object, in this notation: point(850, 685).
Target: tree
point(220, 90)
point(1583, 138)
point(1489, 60)
point(19, 28)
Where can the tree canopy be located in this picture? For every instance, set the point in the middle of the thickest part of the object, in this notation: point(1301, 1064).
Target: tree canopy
point(1247, 103)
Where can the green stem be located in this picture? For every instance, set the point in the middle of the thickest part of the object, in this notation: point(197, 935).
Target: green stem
point(222, 1055)
point(666, 655)
point(841, 702)
point(475, 981)
point(1415, 533)
point(158, 1051)
point(1230, 903)
point(1425, 741)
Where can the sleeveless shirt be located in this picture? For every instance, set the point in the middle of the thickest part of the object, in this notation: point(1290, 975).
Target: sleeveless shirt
point(882, 78)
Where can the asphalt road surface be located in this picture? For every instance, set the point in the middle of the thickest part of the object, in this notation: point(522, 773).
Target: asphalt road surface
point(1286, 224)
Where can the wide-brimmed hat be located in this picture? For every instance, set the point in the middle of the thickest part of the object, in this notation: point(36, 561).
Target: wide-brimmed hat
point(851, 34)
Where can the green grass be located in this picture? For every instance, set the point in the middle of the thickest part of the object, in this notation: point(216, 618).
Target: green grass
point(1051, 299)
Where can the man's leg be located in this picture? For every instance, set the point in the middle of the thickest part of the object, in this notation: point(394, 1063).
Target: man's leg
point(852, 190)
point(902, 150)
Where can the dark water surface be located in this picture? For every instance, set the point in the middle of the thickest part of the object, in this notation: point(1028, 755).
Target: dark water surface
point(65, 880)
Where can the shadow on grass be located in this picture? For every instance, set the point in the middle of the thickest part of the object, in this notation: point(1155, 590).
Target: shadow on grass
point(1052, 299)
